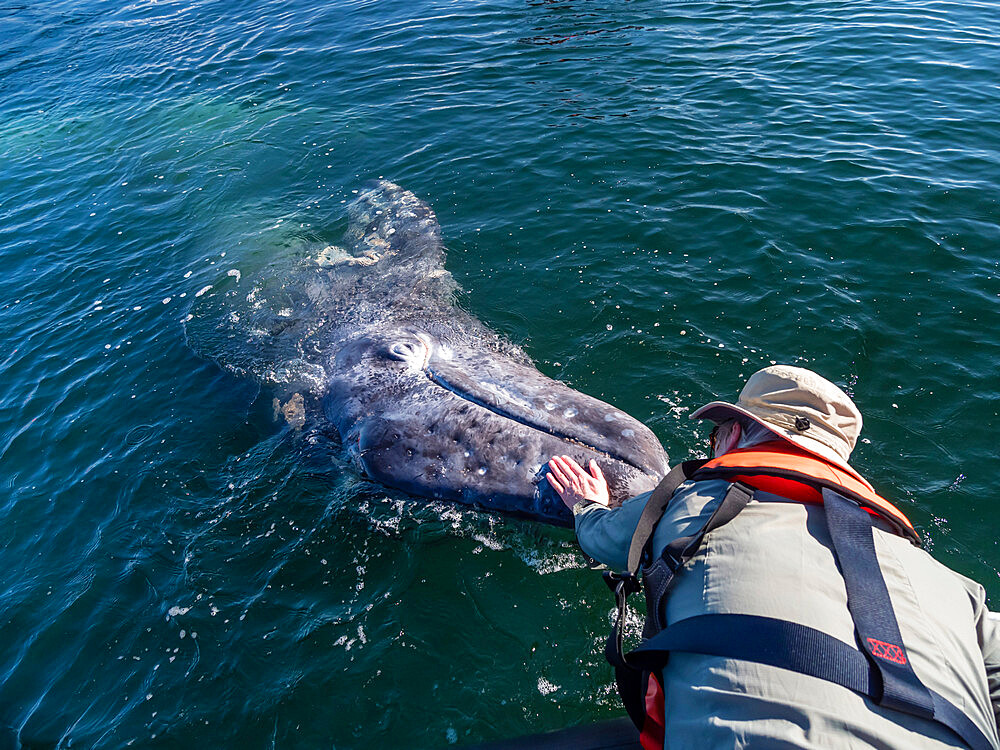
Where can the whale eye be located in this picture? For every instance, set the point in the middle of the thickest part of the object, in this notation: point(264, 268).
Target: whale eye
point(406, 351)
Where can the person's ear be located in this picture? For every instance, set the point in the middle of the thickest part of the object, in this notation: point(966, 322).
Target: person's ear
point(727, 437)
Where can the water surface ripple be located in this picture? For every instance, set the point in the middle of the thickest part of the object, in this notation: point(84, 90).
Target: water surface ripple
point(653, 199)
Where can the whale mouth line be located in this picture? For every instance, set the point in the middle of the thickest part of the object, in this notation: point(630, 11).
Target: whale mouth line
point(443, 382)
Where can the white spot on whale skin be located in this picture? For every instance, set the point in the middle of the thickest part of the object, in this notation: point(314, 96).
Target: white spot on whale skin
point(570, 413)
point(549, 406)
point(481, 471)
point(628, 433)
point(174, 611)
point(610, 417)
point(467, 454)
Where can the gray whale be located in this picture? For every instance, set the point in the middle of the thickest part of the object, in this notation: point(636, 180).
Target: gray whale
point(366, 339)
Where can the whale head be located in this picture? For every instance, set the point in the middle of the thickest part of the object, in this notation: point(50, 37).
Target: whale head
point(450, 417)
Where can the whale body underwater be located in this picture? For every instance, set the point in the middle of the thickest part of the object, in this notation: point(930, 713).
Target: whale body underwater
point(365, 338)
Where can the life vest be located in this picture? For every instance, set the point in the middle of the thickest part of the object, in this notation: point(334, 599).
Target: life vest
point(780, 468)
point(879, 671)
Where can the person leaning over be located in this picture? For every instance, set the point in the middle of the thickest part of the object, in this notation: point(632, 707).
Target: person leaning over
point(795, 604)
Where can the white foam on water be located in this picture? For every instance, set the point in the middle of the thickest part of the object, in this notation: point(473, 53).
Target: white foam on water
point(545, 687)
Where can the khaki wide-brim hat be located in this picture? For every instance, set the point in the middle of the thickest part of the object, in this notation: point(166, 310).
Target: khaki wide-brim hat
point(799, 406)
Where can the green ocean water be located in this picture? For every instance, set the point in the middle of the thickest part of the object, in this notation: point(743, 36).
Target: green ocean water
point(652, 199)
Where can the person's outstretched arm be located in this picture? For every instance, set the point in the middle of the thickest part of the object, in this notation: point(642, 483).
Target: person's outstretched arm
point(604, 533)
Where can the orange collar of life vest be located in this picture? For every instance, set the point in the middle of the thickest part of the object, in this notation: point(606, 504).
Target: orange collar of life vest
point(782, 469)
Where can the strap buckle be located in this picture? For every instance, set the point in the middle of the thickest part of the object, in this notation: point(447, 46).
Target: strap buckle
point(622, 584)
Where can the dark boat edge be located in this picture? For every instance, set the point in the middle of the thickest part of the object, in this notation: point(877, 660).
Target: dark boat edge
point(613, 734)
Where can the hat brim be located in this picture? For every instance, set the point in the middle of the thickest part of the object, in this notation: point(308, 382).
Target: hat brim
point(720, 411)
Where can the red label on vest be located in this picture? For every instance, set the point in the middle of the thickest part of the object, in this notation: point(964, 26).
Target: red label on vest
point(888, 651)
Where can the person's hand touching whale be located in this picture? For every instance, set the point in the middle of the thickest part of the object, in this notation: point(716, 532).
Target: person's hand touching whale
point(574, 484)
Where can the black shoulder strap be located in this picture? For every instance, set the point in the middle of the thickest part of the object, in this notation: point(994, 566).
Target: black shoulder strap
point(870, 606)
point(682, 549)
point(629, 681)
point(655, 506)
point(626, 582)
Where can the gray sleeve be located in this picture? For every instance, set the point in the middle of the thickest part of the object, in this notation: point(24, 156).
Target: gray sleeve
point(989, 639)
point(605, 534)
